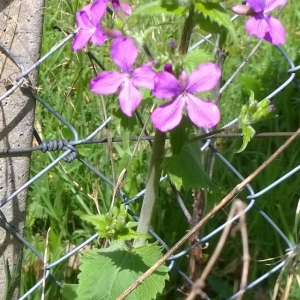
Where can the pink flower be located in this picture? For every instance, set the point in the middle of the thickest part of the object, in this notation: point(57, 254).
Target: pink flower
point(87, 21)
point(202, 113)
point(124, 53)
point(262, 25)
point(120, 5)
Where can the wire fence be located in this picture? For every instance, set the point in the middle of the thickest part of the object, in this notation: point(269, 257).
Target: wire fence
point(70, 153)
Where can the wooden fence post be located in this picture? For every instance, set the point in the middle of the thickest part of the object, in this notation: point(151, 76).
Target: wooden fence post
point(20, 32)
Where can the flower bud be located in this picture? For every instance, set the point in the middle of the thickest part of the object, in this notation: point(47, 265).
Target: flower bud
point(272, 107)
point(112, 33)
point(172, 44)
point(168, 68)
point(243, 10)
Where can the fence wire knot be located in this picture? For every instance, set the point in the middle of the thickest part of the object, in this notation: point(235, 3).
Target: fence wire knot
point(59, 144)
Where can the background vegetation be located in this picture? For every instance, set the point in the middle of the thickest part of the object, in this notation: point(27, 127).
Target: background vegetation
point(56, 199)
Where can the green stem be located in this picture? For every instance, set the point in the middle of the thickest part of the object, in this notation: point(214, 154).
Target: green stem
point(152, 186)
point(187, 31)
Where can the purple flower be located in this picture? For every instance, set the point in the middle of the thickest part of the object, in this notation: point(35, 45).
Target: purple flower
point(202, 113)
point(87, 21)
point(172, 44)
point(120, 5)
point(124, 53)
point(272, 107)
point(262, 25)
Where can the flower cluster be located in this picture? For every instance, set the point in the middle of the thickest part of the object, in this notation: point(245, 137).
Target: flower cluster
point(165, 85)
point(88, 22)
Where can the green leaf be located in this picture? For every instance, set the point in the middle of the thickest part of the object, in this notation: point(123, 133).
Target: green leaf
point(159, 7)
point(114, 226)
point(216, 13)
point(177, 181)
point(188, 167)
point(180, 135)
point(194, 58)
point(248, 133)
point(106, 273)
point(251, 113)
point(99, 221)
point(209, 26)
point(69, 291)
point(127, 234)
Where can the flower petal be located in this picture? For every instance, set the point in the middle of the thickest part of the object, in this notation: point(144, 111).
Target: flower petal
point(166, 85)
point(203, 78)
point(143, 77)
point(168, 115)
point(120, 5)
point(124, 52)
point(202, 113)
point(82, 38)
point(272, 4)
point(107, 82)
point(97, 11)
point(126, 8)
point(276, 34)
point(99, 36)
point(257, 26)
point(82, 18)
point(129, 98)
point(257, 5)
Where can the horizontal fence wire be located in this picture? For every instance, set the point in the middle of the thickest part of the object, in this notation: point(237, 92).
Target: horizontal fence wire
point(70, 153)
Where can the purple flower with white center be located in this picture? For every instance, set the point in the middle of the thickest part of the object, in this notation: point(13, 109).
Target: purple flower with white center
point(262, 25)
point(120, 5)
point(202, 113)
point(124, 53)
point(87, 21)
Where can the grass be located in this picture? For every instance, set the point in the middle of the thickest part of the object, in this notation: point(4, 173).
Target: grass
point(56, 199)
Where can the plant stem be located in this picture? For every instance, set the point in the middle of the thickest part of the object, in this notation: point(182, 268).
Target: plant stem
point(152, 186)
point(159, 147)
point(187, 31)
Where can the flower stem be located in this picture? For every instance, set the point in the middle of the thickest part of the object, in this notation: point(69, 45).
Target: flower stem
point(152, 186)
point(189, 24)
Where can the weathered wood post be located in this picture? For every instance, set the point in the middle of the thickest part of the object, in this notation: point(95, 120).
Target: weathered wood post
point(20, 32)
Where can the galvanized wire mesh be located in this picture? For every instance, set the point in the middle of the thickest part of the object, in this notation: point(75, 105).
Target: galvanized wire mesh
point(70, 153)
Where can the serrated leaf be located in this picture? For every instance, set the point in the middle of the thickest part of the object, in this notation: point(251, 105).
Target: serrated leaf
point(106, 273)
point(210, 26)
point(194, 58)
point(248, 133)
point(99, 221)
point(114, 227)
point(216, 13)
point(69, 291)
point(157, 7)
point(188, 167)
point(131, 224)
